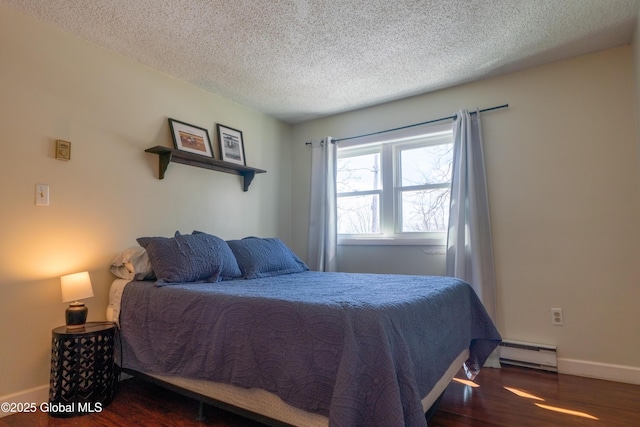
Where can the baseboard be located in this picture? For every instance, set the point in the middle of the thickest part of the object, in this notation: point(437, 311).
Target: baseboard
point(603, 371)
point(36, 395)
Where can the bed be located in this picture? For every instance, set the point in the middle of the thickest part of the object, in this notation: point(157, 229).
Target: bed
point(296, 346)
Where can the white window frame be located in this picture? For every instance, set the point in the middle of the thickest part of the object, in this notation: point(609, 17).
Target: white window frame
point(390, 204)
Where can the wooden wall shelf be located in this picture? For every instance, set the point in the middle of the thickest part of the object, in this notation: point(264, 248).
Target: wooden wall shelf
point(168, 155)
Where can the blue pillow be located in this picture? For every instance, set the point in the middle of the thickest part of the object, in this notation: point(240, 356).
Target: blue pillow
point(181, 259)
point(224, 256)
point(259, 257)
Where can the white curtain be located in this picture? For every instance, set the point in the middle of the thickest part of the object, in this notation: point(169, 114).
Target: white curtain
point(469, 244)
point(323, 235)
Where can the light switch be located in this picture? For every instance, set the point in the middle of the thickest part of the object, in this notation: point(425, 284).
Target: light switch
point(42, 195)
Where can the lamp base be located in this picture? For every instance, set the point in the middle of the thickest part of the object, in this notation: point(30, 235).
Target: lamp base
point(76, 315)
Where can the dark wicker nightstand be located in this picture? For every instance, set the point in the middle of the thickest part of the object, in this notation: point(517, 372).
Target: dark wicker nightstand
point(83, 378)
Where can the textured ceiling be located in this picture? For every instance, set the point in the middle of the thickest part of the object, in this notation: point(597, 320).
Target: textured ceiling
point(302, 59)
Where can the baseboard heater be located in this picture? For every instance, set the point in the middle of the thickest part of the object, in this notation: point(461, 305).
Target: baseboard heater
point(529, 355)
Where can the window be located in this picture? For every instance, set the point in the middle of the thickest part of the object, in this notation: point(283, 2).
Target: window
point(395, 190)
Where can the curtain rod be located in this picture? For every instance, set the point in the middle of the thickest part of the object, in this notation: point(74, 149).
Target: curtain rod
point(416, 124)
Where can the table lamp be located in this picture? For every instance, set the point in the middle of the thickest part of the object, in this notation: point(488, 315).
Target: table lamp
point(76, 287)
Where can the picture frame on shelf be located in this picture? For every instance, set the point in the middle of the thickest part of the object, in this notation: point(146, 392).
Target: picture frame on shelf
point(231, 145)
point(190, 138)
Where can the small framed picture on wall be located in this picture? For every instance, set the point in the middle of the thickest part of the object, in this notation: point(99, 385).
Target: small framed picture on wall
point(231, 145)
point(63, 150)
point(190, 138)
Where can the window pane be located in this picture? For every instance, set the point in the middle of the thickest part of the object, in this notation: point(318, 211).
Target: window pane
point(426, 165)
point(425, 210)
point(359, 214)
point(358, 173)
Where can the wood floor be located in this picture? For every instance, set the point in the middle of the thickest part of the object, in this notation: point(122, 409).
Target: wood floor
point(523, 397)
point(498, 397)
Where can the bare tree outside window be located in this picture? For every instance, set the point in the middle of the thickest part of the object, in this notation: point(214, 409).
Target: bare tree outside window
point(426, 209)
point(358, 183)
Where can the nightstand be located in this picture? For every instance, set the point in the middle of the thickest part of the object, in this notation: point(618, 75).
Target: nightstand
point(83, 378)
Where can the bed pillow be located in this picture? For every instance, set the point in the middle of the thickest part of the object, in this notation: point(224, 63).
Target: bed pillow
point(132, 264)
point(265, 257)
point(225, 257)
point(183, 258)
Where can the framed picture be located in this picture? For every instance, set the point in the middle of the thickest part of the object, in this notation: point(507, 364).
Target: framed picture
point(63, 150)
point(190, 138)
point(231, 145)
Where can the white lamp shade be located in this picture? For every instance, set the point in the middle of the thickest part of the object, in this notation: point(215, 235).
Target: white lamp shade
point(76, 286)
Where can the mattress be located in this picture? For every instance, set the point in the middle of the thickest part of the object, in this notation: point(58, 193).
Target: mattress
point(269, 405)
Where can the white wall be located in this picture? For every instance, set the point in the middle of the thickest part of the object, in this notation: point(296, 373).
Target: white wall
point(635, 45)
point(55, 86)
point(563, 177)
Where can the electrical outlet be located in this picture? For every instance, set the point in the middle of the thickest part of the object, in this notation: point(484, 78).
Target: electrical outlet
point(42, 195)
point(557, 318)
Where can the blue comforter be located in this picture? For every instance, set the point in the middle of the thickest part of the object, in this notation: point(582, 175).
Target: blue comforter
point(361, 349)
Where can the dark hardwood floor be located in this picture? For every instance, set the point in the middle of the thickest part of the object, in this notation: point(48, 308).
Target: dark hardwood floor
point(498, 397)
point(514, 396)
